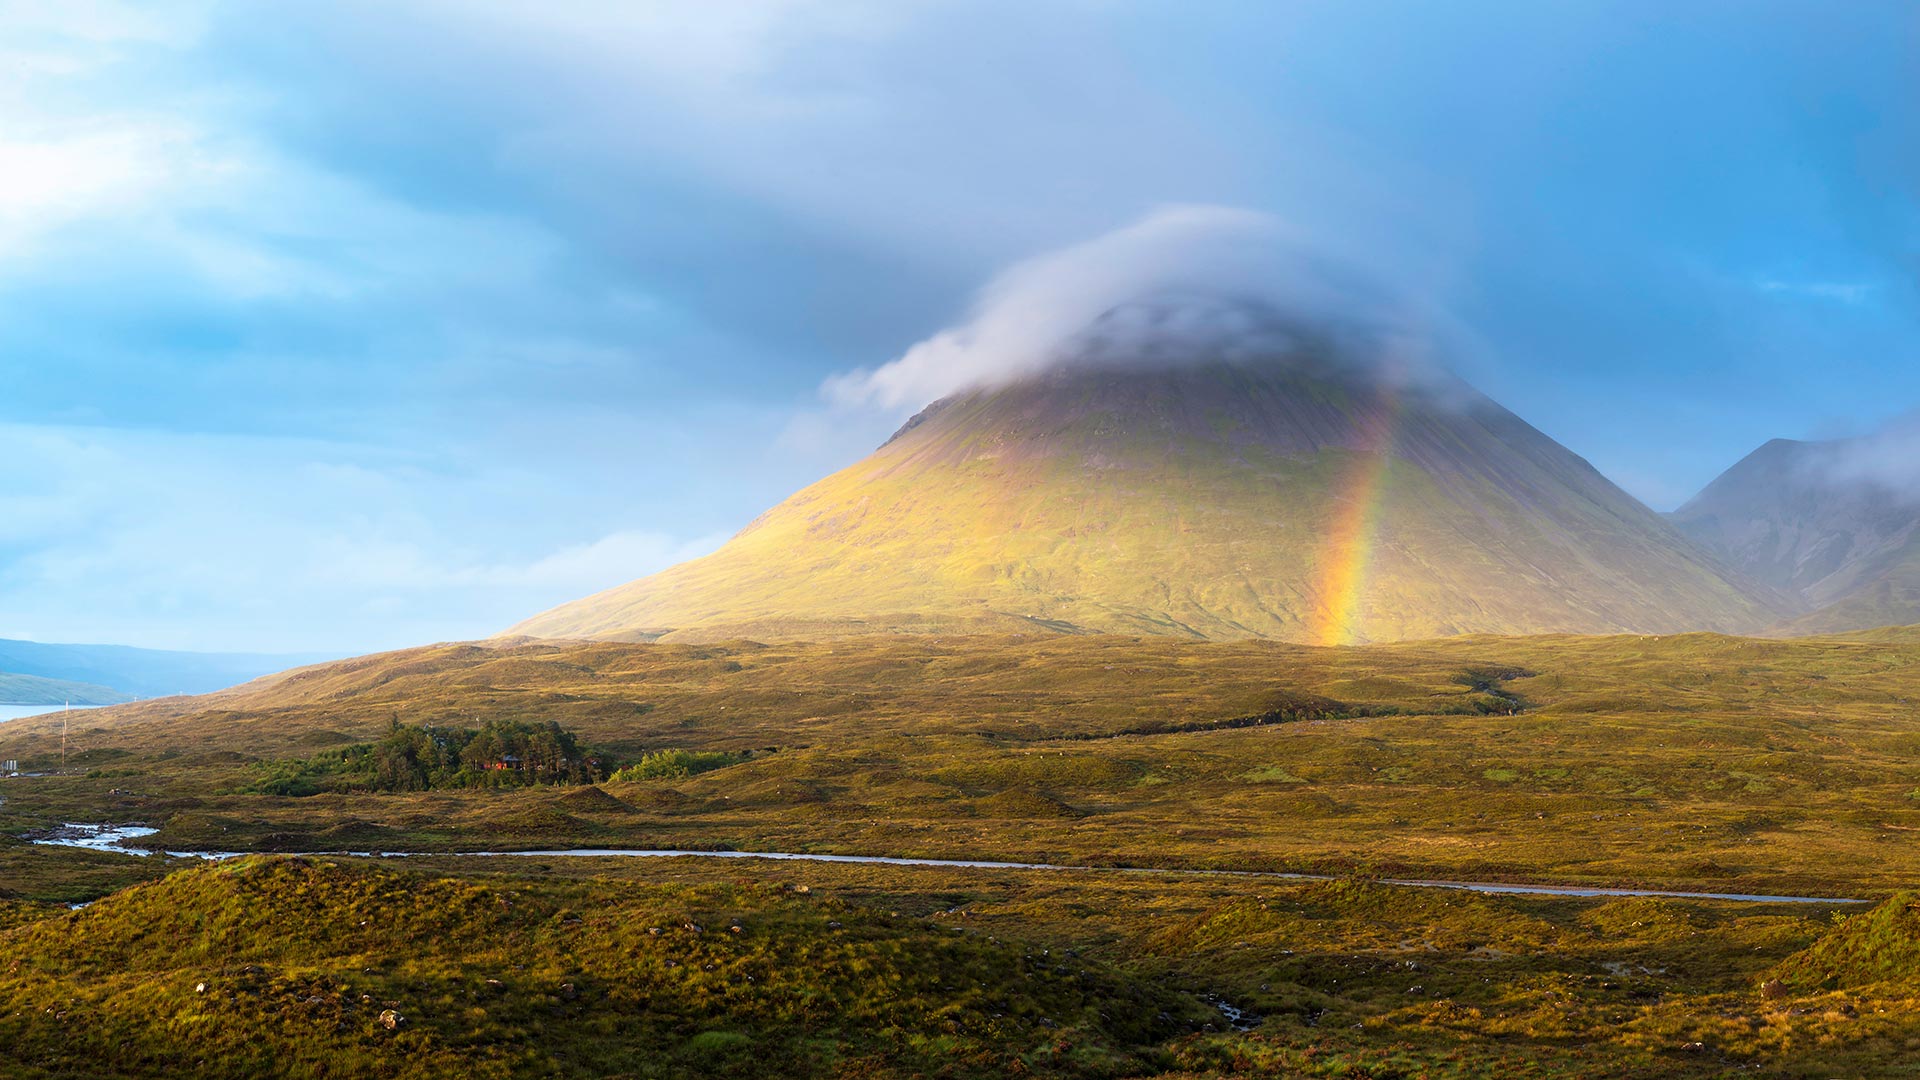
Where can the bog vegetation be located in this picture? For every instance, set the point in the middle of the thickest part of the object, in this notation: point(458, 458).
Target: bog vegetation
point(1696, 762)
point(684, 968)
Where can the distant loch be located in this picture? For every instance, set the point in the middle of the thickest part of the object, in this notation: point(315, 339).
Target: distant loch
point(18, 712)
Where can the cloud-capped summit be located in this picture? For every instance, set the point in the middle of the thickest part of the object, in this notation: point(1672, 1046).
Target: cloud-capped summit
point(1299, 495)
point(1184, 284)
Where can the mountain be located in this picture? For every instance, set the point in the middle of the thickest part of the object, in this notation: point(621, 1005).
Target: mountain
point(1798, 516)
point(133, 673)
point(34, 690)
point(1294, 497)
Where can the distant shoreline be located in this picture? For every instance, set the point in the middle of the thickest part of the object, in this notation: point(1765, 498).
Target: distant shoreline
point(21, 710)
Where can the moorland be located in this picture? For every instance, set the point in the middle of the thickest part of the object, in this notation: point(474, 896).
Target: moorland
point(1690, 763)
point(1684, 762)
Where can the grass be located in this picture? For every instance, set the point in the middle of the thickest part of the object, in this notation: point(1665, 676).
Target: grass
point(1695, 762)
point(300, 968)
point(555, 968)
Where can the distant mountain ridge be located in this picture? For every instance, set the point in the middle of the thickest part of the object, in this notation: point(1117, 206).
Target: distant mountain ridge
point(120, 673)
point(1297, 497)
point(1844, 545)
point(34, 690)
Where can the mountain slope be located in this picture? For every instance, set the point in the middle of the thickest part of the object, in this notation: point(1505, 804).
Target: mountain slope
point(1793, 516)
point(34, 690)
point(1295, 498)
point(139, 672)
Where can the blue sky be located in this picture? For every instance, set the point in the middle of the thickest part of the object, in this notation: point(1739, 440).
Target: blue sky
point(344, 325)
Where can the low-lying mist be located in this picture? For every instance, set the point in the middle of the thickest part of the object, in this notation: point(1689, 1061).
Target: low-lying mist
point(1885, 463)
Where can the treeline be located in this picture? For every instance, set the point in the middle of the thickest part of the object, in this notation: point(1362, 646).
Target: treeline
point(503, 753)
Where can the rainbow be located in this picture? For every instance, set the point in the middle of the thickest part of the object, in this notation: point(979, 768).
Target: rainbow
point(1356, 518)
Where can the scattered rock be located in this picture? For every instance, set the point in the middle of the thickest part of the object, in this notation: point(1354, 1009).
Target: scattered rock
point(392, 1020)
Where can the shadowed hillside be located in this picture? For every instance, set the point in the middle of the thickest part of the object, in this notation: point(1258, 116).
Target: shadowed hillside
point(1844, 547)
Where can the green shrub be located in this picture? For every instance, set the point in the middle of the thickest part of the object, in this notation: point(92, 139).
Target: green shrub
point(677, 764)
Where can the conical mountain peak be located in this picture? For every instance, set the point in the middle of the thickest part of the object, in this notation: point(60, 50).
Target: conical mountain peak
point(1275, 491)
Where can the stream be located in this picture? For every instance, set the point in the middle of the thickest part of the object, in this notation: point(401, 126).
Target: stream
point(114, 838)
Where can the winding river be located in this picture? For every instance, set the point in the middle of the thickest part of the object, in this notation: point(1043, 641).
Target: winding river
point(115, 838)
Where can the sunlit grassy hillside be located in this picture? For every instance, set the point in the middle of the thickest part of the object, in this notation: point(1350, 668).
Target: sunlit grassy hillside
point(1299, 500)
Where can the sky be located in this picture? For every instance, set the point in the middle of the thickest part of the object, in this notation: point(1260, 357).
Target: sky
point(339, 326)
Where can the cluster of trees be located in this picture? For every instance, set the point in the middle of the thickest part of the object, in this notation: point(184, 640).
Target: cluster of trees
point(503, 753)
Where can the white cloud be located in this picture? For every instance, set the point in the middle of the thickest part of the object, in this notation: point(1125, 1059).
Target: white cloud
point(106, 22)
point(1202, 281)
point(1852, 293)
point(48, 183)
point(198, 541)
point(904, 130)
point(65, 154)
point(1888, 459)
point(711, 44)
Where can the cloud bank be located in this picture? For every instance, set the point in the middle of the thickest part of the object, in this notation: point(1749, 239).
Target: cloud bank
point(1887, 460)
point(99, 540)
point(1184, 284)
point(570, 276)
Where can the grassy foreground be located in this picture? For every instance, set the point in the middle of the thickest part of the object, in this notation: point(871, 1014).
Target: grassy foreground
point(334, 968)
point(1699, 762)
